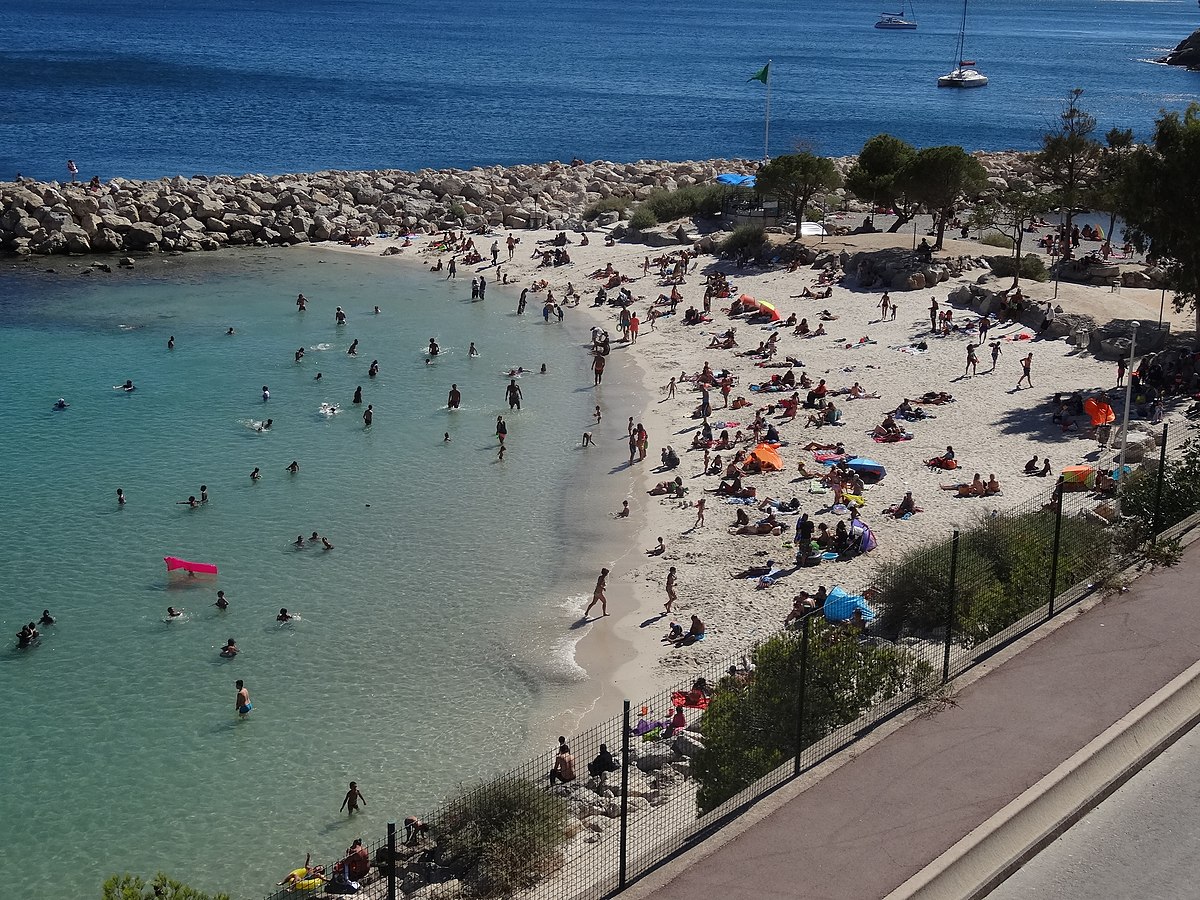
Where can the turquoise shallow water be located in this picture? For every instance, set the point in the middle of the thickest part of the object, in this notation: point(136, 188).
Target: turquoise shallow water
point(426, 635)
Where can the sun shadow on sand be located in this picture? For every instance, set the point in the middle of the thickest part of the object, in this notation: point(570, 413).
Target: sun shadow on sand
point(1035, 419)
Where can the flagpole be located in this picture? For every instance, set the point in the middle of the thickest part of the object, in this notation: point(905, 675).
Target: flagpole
point(767, 122)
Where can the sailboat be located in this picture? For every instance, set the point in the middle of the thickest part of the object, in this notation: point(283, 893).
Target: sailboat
point(896, 21)
point(962, 76)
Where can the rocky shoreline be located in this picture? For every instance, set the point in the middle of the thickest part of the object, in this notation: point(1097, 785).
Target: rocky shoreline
point(207, 213)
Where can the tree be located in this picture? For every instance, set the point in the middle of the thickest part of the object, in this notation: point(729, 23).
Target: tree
point(1069, 155)
point(1162, 202)
point(131, 887)
point(1110, 187)
point(750, 730)
point(1010, 213)
point(794, 180)
point(873, 176)
point(938, 178)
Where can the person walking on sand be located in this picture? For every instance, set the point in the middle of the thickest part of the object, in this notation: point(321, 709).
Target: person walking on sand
point(242, 702)
point(1026, 367)
point(512, 243)
point(671, 389)
point(598, 367)
point(671, 598)
point(933, 313)
point(452, 269)
point(995, 354)
point(353, 798)
point(495, 253)
point(513, 394)
point(972, 361)
point(883, 306)
point(598, 595)
point(700, 513)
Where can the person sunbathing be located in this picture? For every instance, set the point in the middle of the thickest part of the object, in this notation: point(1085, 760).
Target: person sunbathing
point(790, 321)
point(723, 442)
point(765, 526)
point(790, 406)
point(802, 329)
point(888, 427)
point(309, 872)
point(858, 392)
point(668, 487)
point(1031, 467)
point(820, 332)
point(694, 633)
point(826, 316)
point(817, 295)
point(977, 487)
point(839, 448)
point(906, 507)
point(755, 571)
point(993, 485)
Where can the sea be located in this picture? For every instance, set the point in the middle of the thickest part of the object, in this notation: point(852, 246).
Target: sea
point(434, 637)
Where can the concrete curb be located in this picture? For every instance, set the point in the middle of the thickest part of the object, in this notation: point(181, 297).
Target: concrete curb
point(979, 862)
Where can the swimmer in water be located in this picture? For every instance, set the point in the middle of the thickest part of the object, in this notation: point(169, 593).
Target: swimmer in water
point(294, 468)
point(353, 351)
point(284, 616)
point(242, 704)
point(231, 331)
point(374, 370)
point(325, 544)
point(434, 349)
point(255, 475)
point(299, 542)
point(455, 398)
point(369, 416)
point(314, 538)
point(317, 377)
point(266, 394)
point(265, 426)
point(358, 394)
point(204, 493)
point(128, 386)
point(230, 650)
point(171, 342)
point(221, 603)
point(471, 351)
point(446, 438)
point(173, 613)
point(120, 497)
point(339, 316)
point(543, 369)
point(302, 303)
point(377, 310)
point(46, 618)
point(299, 358)
point(61, 403)
point(189, 502)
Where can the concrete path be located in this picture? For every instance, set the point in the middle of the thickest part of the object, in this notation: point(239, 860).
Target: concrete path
point(881, 817)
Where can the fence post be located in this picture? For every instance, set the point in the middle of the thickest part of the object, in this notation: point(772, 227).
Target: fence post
point(1058, 501)
point(391, 872)
point(950, 598)
point(802, 692)
point(1162, 474)
point(624, 798)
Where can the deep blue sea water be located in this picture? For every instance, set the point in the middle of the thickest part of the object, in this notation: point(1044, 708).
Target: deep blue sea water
point(144, 88)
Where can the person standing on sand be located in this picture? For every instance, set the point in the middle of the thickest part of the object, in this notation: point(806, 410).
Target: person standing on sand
point(933, 313)
point(598, 595)
point(700, 513)
point(353, 797)
point(513, 394)
point(643, 442)
point(972, 361)
point(634, 325)
point(598, 367)
point(512, 243)
point(242, 702)
point(1120, 371)
point(671, 389)
point(452, 269)
point(995, 354)
point(671, 598)
point(883, 305)
point(1026, 366)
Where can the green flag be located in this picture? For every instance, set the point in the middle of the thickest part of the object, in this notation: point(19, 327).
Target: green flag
point(761, 75)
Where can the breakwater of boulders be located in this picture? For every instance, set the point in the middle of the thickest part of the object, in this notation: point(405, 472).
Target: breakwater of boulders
point(210, 212)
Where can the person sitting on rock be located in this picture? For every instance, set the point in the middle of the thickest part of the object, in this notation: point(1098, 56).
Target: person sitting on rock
point(564, 766)
point(603, 762)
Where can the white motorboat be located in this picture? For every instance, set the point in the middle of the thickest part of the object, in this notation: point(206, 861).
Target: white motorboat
point(962, 75)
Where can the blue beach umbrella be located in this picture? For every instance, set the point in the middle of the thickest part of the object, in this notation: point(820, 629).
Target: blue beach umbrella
point(840, 606)
point(867, 467)
point(736, 180)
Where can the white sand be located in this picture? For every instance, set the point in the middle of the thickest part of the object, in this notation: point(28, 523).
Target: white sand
point(992, 428)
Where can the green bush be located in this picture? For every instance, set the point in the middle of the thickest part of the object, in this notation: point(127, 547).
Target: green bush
point(1032, 267)
point(131, 887)
point(749, 731)
point(996, 239)
point(1003, 574)
point(458, 211)
point(745, 237)
point(1180, 496)
point(642, 218)
point(607, 204)
point(502, 837)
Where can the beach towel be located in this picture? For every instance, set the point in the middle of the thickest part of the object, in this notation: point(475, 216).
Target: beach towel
point(692, 699)
point(823, 457)
point(893, 438)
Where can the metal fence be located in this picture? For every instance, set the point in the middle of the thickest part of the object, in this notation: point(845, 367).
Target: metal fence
point(672, 769)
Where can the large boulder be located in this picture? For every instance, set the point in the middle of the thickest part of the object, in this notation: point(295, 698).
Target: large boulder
point(1186, 54)
point(77, 239)
point(141, 235)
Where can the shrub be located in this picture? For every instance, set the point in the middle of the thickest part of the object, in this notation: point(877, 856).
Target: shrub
point(458, 211)
point(1003, 574)
point(745, 237)
point(996, 239)
point(1032, 267)
point(1180, 496)
point(752, 730)
point(642, 218)
point(607, 204)
point(131, 887)
point(502, 837)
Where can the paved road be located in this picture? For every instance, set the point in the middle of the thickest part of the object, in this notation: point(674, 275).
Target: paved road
point(1143, 841)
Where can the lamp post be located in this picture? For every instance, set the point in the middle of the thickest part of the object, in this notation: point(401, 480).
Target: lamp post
point(1162, 303)
point(1125, 418)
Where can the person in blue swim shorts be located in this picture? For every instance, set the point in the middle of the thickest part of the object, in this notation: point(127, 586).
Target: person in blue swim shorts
point(242, 703)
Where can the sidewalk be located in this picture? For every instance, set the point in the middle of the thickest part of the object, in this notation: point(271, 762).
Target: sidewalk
point(880, 818)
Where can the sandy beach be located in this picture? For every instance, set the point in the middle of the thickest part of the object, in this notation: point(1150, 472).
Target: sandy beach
point(993, 427)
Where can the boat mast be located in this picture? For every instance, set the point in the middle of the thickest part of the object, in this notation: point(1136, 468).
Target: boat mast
point(962, 32)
